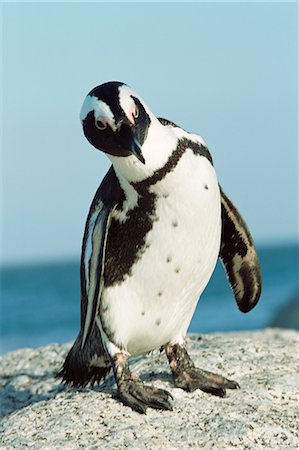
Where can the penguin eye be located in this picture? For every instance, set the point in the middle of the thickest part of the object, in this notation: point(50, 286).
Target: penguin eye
point(100, 125)
point(136, 112)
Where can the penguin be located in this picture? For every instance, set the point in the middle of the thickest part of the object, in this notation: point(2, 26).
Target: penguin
point(156, 227)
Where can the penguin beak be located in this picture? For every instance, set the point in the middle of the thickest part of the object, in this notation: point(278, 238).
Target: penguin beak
point(136, 150)
point(127, 139)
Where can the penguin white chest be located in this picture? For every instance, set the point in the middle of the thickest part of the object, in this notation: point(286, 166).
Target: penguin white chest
point(154, 304)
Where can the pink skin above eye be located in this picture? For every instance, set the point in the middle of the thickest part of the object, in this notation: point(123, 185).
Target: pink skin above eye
point(133, 113)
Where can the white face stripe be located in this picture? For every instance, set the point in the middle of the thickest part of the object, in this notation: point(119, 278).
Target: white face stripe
point(103, 112)
point(125, 100)
point(100, 108)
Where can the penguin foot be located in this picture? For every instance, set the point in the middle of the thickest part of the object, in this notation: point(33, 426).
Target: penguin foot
point(188, 377)
point(132, 392)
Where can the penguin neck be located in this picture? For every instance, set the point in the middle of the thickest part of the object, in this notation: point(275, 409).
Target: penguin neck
point(160, 143)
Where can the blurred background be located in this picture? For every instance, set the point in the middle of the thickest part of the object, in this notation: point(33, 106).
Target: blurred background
point(227, 71)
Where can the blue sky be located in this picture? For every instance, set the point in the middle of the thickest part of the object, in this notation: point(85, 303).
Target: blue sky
point(227, 71)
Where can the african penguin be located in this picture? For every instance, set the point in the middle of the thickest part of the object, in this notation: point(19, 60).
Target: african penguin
point(155, 229)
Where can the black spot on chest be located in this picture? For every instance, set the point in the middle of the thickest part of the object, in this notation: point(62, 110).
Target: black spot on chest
point(126, 241)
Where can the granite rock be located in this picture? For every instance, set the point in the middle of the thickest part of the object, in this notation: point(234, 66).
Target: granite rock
point(40, 413)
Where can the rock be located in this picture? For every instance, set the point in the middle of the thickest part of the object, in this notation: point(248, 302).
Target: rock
point(40, 413)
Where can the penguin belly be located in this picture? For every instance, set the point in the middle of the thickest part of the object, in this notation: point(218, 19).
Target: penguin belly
point(155, 302)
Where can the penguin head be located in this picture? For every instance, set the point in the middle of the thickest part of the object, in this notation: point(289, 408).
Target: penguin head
point(115, 120)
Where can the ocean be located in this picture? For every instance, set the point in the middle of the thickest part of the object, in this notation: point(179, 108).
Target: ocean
point(40, 303)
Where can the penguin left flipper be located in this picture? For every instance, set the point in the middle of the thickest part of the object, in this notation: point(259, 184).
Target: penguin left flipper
point(239, 257)
point(237, 252)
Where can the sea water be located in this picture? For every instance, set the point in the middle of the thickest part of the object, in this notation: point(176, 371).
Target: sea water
point(40, 303)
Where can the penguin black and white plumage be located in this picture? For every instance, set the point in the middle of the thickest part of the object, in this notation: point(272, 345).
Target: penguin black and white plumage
point(155, 229)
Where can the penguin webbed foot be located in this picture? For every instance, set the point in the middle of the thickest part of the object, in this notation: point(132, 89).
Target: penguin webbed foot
point(133, 393)
point(188, 377)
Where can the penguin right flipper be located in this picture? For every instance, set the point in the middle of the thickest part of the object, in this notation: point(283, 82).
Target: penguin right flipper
point(97, 224)
point(239, 257)
point(87, 361)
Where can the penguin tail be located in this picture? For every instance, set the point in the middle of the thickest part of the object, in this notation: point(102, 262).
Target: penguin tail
point(89, 364)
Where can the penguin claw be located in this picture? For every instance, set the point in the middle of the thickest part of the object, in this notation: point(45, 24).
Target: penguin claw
point(140, 396)
point(132, 392)
point(129, 400)
point(212, 383)
point(188, 377)
point(191, 382)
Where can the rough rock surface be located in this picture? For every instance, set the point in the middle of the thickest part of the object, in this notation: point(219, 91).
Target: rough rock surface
point(39, 413)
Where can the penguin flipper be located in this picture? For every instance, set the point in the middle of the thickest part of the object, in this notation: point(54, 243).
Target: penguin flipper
point(87, 360)
point(87, 365)
point(239, 257)
point(93, 250)
point(237, 252)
